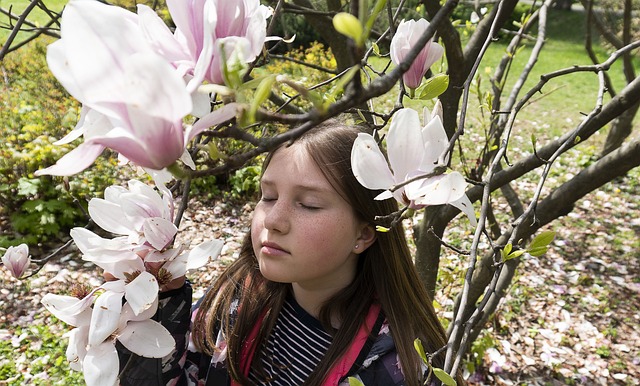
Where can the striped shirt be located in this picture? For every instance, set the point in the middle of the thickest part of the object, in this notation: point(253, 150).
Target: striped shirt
point(295, 347)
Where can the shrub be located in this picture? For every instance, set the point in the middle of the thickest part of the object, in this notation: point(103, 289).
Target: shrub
point(35, 111)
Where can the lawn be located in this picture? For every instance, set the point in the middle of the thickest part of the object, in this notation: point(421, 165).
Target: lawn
point(37, 16)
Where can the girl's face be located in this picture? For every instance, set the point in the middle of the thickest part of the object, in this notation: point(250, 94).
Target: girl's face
point(303, 232)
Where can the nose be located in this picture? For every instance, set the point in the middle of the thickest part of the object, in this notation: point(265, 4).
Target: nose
point(277, 217)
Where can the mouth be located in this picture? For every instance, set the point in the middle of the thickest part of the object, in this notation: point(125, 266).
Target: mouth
point(274, 249)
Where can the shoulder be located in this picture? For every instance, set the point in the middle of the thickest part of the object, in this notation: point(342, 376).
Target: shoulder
point(381, 366)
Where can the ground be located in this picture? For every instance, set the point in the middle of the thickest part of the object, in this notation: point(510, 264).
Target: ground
point(571, 316)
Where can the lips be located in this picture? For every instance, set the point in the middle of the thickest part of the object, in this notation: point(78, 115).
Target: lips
point(274, 249)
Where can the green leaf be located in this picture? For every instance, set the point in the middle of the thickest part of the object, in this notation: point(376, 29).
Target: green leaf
point(350, 26)
point(420, 349)
point(380, 4)
point(433, 87)
point(506, 250)
point(444, 377)
point(261, 95)
point(537, 252)
point(355, 382)
point(27, 187)
point(376, 49)
point(514, 254)
point(543, 239)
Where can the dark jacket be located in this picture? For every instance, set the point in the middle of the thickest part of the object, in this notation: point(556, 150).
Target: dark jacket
point(376, 363)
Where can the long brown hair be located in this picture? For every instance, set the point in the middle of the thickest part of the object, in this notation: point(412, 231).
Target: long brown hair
point(385, 274)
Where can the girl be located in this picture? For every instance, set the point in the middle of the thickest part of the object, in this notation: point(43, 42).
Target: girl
point(316, 295)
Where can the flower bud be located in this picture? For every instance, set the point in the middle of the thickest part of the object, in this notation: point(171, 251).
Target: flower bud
point(17, 259)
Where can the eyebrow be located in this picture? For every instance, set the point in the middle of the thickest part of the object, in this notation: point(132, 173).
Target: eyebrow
point(304, 187)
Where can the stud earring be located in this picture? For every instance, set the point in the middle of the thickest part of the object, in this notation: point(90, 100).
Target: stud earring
point(357, 246)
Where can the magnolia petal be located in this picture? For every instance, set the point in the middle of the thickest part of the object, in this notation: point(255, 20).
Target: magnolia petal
point(127, 314)
point(436, 142)
point(69, 309)
point(384, 195)
point(147, 338)
point(437, 190)
point(101, 365)
point(120, 269)
point(160, 37)
point(102, 251)
point(74, 161)
point(109, 216)
point(369, 165)
point(187, 160)
point(149, 200)
point(159, 232)
point(77, 131)
point(405, 145)
point(77, 347)
point(106, 314)
point(465, 205)
point(432, 55)
point(178, 266)
point(142, 292)
point(201, 254)
point(223, 114)
point(201, 103)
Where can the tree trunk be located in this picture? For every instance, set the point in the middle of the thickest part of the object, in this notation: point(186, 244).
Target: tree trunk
point(620, 129)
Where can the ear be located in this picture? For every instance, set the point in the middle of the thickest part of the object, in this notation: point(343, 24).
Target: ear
point(366, 237)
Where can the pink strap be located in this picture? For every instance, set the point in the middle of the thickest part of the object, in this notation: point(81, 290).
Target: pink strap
point(343, 365)
point(249, 349)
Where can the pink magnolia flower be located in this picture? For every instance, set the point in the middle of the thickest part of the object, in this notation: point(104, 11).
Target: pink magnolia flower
point(16, 260)
point(213, 29)
point(406, 36)
point(134, 100)
point(413, 153)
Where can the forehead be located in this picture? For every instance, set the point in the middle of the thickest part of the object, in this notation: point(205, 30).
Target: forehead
point(293, 164)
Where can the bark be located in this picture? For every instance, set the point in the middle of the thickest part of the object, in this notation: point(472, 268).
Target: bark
point(621, 128)
point(559, 203)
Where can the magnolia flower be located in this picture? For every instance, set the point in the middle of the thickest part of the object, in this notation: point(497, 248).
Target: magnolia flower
point(414, 153)
point(91, 346)
point(17, 259)
point(133, 100)
point(211, 29)
point(405, 38)
point(105, 62)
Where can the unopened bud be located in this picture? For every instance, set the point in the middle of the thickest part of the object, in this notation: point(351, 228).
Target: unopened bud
point(17, 259)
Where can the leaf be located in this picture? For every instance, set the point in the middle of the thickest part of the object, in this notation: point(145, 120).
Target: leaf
point(514, 254)
point(28, 187)
point(355, 382)
point(350, 26)
point(444, 377)
point(420, 349)
point(380, 4)
point(433, 87)
point(376, 49)
point(542, 240)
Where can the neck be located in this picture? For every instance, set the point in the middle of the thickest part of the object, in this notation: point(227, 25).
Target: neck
point(312, 301)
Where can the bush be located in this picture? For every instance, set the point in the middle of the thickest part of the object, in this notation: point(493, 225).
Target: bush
point(35, 111)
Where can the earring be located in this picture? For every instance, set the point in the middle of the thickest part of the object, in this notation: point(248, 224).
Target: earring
point(357, 246)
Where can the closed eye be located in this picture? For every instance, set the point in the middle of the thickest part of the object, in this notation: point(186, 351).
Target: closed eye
point(309, 207)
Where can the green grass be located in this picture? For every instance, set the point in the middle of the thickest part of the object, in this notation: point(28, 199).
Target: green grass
point(37, 16)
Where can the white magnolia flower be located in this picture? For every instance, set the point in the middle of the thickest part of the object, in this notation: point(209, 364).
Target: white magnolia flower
point(410, 176)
